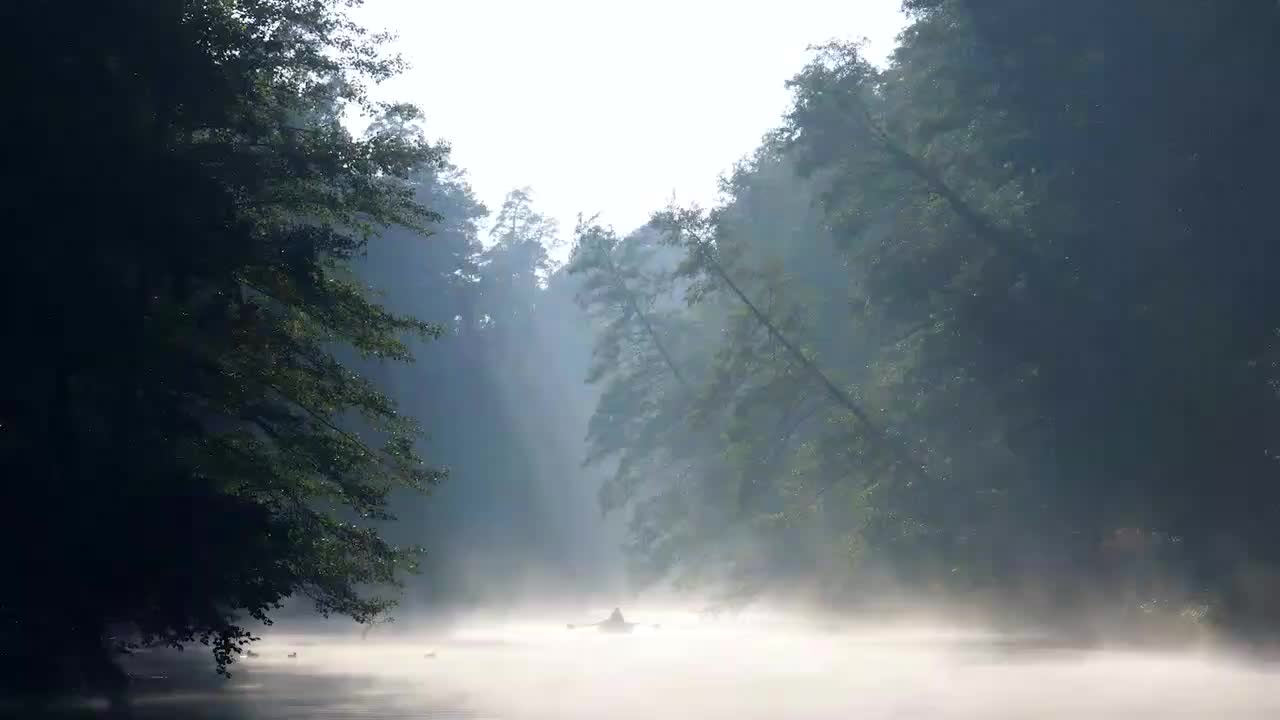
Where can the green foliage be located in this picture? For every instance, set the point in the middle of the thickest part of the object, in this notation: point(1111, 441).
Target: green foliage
point(643, 402)
point(521, 240)
point(1029, 255)
point(185, 445)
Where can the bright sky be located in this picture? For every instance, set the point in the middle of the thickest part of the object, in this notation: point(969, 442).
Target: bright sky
point(610, 107)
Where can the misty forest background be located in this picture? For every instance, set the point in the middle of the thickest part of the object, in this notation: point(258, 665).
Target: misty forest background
point(995, 323)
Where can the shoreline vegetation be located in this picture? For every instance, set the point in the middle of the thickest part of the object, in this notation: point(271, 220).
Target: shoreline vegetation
point(991, 330)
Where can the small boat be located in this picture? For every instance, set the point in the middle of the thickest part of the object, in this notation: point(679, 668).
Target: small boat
point(617, 627)
point(613, 624)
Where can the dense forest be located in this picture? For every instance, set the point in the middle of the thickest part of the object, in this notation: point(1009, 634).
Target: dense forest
point(992, 321)
point(988, 323)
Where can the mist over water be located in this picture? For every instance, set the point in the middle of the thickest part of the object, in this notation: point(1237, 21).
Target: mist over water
point(986, 325)
point(756, 665)
point(518, 526)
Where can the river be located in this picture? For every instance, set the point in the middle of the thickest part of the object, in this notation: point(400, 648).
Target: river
point(702, 669)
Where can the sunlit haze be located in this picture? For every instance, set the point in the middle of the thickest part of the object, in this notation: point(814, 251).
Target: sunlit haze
point(917, 359)
point(756, 665)
point(610, 108)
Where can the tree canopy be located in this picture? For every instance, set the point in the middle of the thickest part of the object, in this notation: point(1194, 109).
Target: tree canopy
point(993, 317)
point(182, 446)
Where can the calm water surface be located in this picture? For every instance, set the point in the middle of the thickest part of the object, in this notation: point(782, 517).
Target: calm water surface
point(702, 670)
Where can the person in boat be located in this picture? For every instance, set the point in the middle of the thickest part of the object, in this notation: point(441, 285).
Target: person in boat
point(614, 623)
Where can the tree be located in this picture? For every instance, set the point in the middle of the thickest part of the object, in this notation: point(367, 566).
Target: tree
point(1011, 261)
point(640, 419)
point(177, 403)
point(525, 236)
point(1006, 186)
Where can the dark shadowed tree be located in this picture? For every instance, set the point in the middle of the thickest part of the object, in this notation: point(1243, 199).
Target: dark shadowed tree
point(179, 440)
